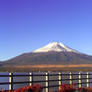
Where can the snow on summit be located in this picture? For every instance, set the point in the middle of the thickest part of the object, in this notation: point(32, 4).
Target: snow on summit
point(55, 46)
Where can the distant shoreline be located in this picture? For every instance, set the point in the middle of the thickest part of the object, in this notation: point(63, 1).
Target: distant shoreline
point(32, 68)
point(55, 66)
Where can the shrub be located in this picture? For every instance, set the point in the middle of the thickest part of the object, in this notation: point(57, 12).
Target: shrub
point(32, 88)
point(70, 88)
point(67, 88)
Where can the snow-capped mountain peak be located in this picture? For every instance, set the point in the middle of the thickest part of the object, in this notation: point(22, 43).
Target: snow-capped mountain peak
point(55, 46)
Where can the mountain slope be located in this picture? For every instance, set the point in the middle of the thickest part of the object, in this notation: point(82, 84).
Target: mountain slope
point(54, 53)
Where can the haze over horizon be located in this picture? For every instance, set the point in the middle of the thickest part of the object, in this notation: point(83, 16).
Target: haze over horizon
point(26, 25)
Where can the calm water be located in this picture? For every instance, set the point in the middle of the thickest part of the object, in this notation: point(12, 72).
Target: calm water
point(35, 78)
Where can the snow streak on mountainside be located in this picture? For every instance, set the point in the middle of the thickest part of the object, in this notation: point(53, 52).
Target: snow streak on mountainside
point(55, 46)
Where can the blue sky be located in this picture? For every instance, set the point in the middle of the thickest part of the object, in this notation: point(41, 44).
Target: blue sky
point(26, 25)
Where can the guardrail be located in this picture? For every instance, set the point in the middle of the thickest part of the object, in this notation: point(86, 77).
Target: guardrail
point(82, 79)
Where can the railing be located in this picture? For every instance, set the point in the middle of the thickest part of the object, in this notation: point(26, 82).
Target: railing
point(80, 79)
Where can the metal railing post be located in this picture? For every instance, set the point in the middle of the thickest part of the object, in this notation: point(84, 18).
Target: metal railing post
point(59, 79)
point(31, 78)
point(70, 78)
point(87, 79)
point(80, 85)
point(10, 81)
point(47, 82)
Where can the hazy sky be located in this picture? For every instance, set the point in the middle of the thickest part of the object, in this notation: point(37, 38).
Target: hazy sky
point(26, 25)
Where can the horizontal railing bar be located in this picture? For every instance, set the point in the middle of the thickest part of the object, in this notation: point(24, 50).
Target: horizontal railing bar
point(21, 82)
point(78, 79)
point(68, 79)
point(37, 75)
point(75, 79)
point(82, 83)
point(3, 83)
point(26, 82)
point(21, 75)
point(37, 81)
point(4, 75)
point(40, 81)
point(53, 74)
point(45, 81)
point(55, 80)
point(42, 75)
point(53, 86)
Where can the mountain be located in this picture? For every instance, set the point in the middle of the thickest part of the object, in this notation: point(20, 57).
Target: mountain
point(54, 53)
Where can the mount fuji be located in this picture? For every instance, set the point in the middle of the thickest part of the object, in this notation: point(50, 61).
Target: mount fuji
point(54, 53)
